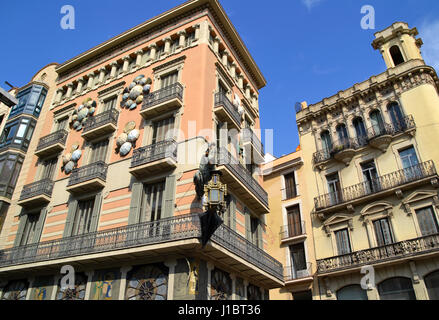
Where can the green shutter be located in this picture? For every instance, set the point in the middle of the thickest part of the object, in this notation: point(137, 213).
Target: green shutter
point(39, 226)
point(247, 225)
point(96, 212)
point(233, 213)
point(136, 197)
point(22, 224)
point(73, 205)
point(169, 197)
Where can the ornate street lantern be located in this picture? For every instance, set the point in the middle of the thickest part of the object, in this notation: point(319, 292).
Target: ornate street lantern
point(215, 192)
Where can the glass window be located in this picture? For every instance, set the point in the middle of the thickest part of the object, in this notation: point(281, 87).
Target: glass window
point(294, 221)
point(99, 151)
point(49, 168)
point(22, 129)
point(342, 132)
point(396, 116)
point(169, 79)
point(83, 217)
point(383, 232)
point(360, 130)
point(110, 104)
point(290, 186)
point(163, 130)
point(326, 141)
point(427, 221)
point(377, 123)
point(432, 284)
point(396, 289)
point(370, 176)
point(190, 38)
point(353, 292)
point(343, 244)
point(298, 259)
point(151, 204)
point(334, 188)
point(408, 158)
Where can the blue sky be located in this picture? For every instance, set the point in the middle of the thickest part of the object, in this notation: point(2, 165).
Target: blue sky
point(306, 49)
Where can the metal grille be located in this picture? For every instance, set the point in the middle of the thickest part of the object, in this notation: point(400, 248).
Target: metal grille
point(162, 95)
point(154, 152)
point(222, 100)
point(251, 137)
point(89, 172)
point(101, 119)
point(37, 188)
point(56, 137)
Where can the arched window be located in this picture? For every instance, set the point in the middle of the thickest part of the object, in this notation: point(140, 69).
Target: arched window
point(396, 289)
point(396, 116)
point(360, 130)
point(432, 284)
point(342, 132)
point(396, 54)
point(377, 123)
point(353, 292)
point(326, 141)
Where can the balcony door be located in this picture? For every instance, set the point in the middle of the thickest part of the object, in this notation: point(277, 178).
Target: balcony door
point(169, 79)
point(83, 217)
point(360, 130)
point(343, 247)
point(298, 261)
point(377, 123)
point(61, 124)
point(99, 151)
point(396, 117)
point(326, 142)
point(334, 189)
point(29, 230)
point(163, 130)
point(371, 182)
point(410, 164)
point(49, 167)
point(151, 203)
point(294, 221)
point(342, 133)
point(427, 221)
point(109, 104)
point(290, 186)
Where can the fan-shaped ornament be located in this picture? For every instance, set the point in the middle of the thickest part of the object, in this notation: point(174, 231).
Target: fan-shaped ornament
point(82, 113)
point(121, 139)
point(135, 93)
point(69, 167)
point(76, 155)
point(133, 135)
point(125, 149)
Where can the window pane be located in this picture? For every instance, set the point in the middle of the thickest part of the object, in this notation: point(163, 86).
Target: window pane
point(432, 284)
point(427, 221)
point(343, 245)
point(354, 292)
point(396, 289)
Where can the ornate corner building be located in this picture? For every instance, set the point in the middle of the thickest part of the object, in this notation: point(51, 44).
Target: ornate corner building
point(371, 150)
point(106, 184)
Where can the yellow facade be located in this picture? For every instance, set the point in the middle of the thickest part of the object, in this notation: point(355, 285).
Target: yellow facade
point(370, 156)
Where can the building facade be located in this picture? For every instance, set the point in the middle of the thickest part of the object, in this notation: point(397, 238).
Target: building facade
point(372, 152)
point(289, 226)
point(109, 187)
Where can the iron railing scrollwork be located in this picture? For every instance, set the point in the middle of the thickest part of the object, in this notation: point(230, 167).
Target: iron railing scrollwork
point(131, 236)
point(225, 158)
point(382, 183)
point(157, 97)
point(53, 138)
point(222, 100)
point(95, 170)
point(295, 273)
point(43, 187)
point(335, 148)
point(151, 153)
point(408, 248)
point(109, 116)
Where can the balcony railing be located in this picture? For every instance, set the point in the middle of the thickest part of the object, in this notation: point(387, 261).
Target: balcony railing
point(53, 138)
point(162, 231)
point(226, 159)
point(289, 193)
point(338, 146)
point(43, 187)
point(89, 172)
point(250, 137)
point(383, 183)
point(108, 117)
point(157, 97)
point(151, 153)
point(292, 230)
point(399, 250)
point(222, 100)
point(291, 274)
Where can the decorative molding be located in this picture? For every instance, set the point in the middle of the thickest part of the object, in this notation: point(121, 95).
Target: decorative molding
point(120, 84)
point(170, 63)
point(64, 109)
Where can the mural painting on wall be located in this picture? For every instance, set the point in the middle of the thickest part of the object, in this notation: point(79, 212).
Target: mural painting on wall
point(105, 285)
point(79, 116)
point(41, 289)
point(127, 140)
point(134, 94)
point(147, 283)
point(78, 293)
point(15, 290)
point(253, 293)
point(70, 160)
point(194, 276)
point(221, 287)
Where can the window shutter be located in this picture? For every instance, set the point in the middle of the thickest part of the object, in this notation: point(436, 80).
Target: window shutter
point(169, 198)
point(73, 205)
point(136, 196)
point(19, 234)
point(39, 226)
point(260, 238)
point(233, 213)
point(247, 225)
point(96, 212)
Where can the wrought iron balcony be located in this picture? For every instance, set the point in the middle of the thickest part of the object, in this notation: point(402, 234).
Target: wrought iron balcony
point(336, 148)
point(144, 234)
point(161, 156)
point(292, 231)
point(226, 111)
point(52, 144)
point(162, 100)
point(294, 274)
point(36, 193)
point(88, 178)
point(100, 124)
point(257, 148)
point(388, 253)
point(239, 178)
point(289, 193)
point(379, 185)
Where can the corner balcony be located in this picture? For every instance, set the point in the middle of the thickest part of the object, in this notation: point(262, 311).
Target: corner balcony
point(341, 150)
point(293, 233)
point(239, 179)
point(161, 156)
point(36, 194)
point(392, 253)
point(163, 100)
point(88, 178)
point(294, 275)
point(253, 145)
point(51, 144)
point(100, 124)
point(177, 235)
point(382, 186)
point(226, 111)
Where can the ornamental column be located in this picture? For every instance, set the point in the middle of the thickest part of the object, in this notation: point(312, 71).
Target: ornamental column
point(233, 70)
point(139, 54)
point(80, 85)
point(69, 90)
point(210, 268)
point(247, 91)
point(114, 66)
point(197, 31)
point(225, 58)
point(233, 277)
point(126, 63)
point(123, 281)
point(182, 40)
point(245, 289)
point(59, 93)
point(216, 43)
point(167, 42)
point(90, 80)
point(171, 264)
point(89, 275)
point(241, 81)
point(153, 52)
point(102, 72)
point(29, 288)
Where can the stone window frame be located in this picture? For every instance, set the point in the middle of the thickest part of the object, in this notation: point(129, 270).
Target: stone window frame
point(368, 157)
point(88, 147)
point(165, 69)
point(102, 97)
point(296, 179)
point(369, 215)
point(421, 199)
point(396, 148)
point(336, 223)
point(149, 128)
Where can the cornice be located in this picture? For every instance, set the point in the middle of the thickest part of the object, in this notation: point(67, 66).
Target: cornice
point(117, 85)
point(169, 63)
